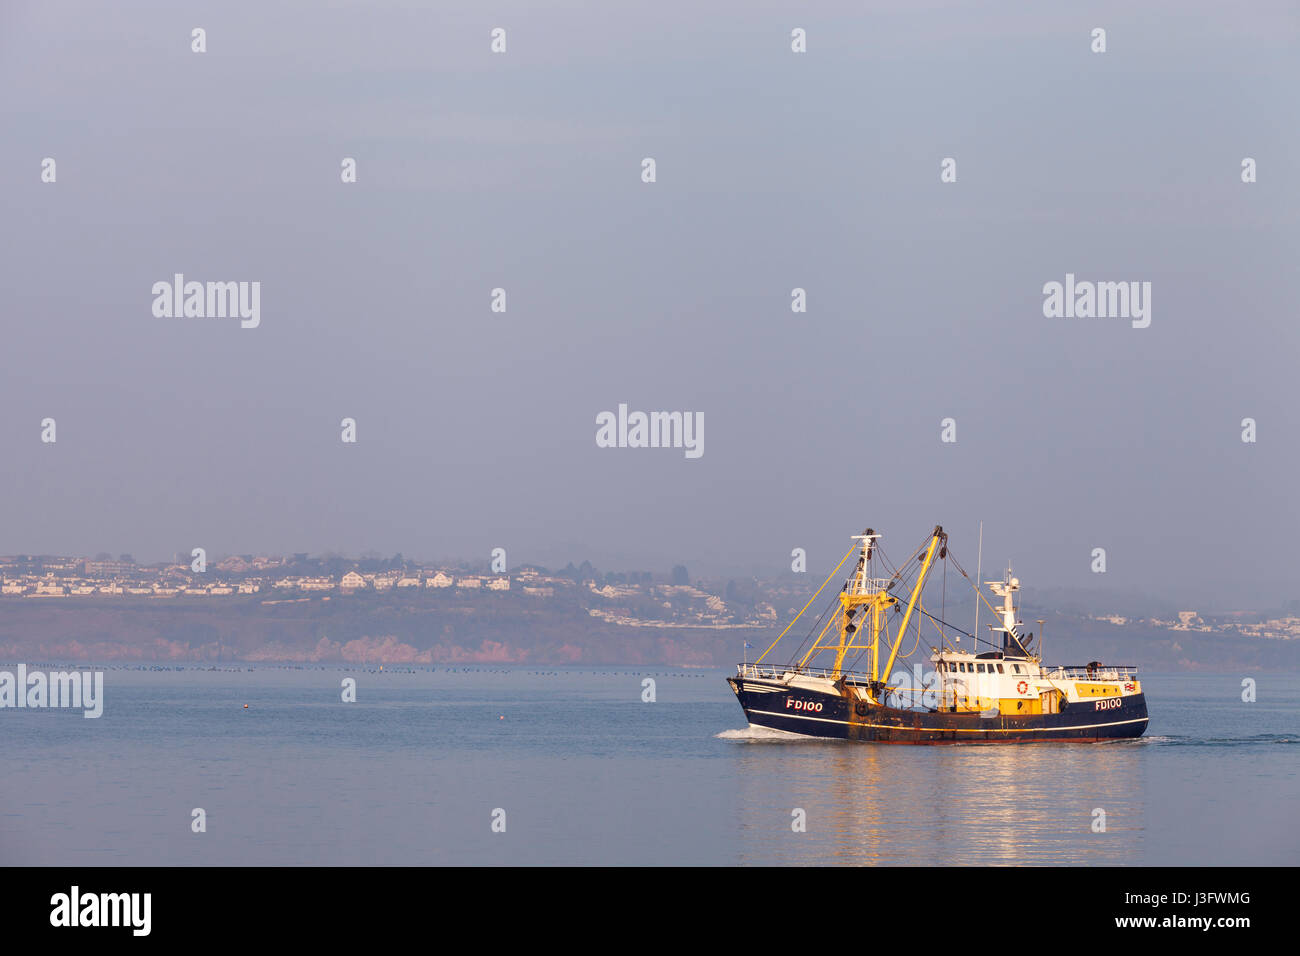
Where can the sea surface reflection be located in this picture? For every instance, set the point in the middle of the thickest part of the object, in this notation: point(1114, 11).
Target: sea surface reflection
point(965, 805)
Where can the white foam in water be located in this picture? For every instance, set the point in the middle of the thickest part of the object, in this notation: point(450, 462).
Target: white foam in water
point(757, 734)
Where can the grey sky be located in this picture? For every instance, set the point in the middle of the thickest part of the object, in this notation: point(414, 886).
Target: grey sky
point(775, 170)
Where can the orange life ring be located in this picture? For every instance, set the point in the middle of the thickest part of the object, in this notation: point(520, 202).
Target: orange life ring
point(1022, 687)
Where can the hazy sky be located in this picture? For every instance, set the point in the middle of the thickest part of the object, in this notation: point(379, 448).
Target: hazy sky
point(775, 170)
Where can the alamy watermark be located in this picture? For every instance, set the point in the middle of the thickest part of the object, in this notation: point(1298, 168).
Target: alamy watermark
point(208, 300)
point(1102, 300)
point(128, 910)
point(651, 430)
point(72, 689)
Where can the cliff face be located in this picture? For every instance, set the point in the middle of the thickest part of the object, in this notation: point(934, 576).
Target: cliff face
point(361, 630)
point(507, 629)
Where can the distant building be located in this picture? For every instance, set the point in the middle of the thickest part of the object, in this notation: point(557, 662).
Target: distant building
point(352, 581)
point(59, 563)
point(439, 580)
point(685, 589)
point(469, 583)
point(498, 584)
point(109, 569)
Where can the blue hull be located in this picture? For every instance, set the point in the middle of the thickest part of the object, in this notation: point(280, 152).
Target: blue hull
point(813, 714)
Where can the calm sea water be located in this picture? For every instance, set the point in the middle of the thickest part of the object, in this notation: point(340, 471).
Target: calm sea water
point(589, 774)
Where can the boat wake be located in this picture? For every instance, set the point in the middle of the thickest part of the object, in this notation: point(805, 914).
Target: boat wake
point(754, 734)
point(1222, 741)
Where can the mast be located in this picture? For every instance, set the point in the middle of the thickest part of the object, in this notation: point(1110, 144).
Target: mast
point(860, 590)
point(1006, 589)
point(979, 564)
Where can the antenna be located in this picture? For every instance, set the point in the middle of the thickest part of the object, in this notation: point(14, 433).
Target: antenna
point(1042, 633)
point(979, 564)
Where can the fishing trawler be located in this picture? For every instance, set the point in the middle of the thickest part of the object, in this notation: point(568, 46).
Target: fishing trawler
point(1002, 695)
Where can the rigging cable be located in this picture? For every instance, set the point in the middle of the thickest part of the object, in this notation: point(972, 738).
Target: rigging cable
point(798, 650)
point(981, 596)
point(805, 607)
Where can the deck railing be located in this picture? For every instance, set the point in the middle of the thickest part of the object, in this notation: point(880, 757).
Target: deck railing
point(780, 672)
point(1111, 672)
point(1090, 672)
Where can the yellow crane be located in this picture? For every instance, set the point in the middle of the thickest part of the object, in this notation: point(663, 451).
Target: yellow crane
point(863, 593)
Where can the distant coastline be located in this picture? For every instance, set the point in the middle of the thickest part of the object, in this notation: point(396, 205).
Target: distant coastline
point(299, 608)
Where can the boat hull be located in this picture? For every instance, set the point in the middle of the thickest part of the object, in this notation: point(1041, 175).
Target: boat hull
point(811, 713)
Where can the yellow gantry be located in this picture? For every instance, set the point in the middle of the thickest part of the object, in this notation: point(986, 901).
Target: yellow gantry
point(878, 602)
point(863, 593)
point(935, 537)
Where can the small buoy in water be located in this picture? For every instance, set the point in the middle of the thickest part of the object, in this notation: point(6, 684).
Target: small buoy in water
point(245, 707)
point(502, 717)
